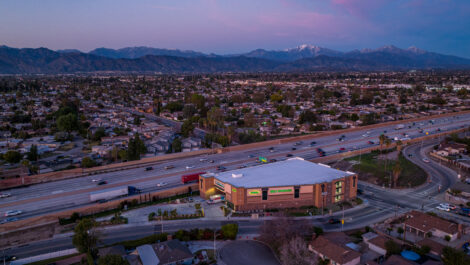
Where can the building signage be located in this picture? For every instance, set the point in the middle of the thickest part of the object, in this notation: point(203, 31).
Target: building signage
point(234, 190)
point(280, 191)
point(254, 192)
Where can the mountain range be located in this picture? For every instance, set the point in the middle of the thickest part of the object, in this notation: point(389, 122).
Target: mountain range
point(304, 58)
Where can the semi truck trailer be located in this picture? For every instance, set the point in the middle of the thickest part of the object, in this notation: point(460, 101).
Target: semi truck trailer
point(112, 193)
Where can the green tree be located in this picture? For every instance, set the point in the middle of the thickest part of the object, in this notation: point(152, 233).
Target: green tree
point(452, 256)
point(187, 128)
point(111, 259)
point(12, 157)
point(86, 238)
point(67, 123)
point(87, 162)
point(176, 146)
point(230, 231)
point(307, 116)
point(135, 148)
point(392, 248)
point(198, 100)
point(33, 153)
point(276, 97)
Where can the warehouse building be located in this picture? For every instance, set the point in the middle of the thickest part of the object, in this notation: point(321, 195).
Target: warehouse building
point(290, 183)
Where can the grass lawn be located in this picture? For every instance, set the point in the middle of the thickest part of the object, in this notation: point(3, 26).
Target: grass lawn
point(379, 171)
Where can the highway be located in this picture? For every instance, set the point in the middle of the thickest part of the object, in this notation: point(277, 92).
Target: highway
point(379, 204)
point(56, 196)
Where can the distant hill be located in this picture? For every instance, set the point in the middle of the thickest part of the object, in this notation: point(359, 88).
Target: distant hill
point(304, 58)
point(137, 52)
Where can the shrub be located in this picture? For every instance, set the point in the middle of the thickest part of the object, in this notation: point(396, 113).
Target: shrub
point(151, 216)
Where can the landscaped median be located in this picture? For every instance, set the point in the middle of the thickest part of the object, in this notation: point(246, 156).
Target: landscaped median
point(389, 168)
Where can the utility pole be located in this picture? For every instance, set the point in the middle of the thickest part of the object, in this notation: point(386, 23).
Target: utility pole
point(342, 220)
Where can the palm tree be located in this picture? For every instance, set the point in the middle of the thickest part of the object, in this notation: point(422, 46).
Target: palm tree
point(396, 173)
point(388, 142)
point(382, 139)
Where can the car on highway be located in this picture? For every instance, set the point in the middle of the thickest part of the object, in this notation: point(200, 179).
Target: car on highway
point(5, 195)
point(11, 219)
point(241, 166)
point(293, 148)
point(272, 160)
point(221, 168)
point(251, 156)
point(102, 182)
point(370, 142)
point(313, 143)
point(425, 160)
point(7, 258)
point(211, 161)
point(202, 159)
point(332, 221)
point(148, 168)
point(442, 208)
point(289, 155)
point(189, 167)
point(95, 180)
point(299, 143)
point(161, 184)
point(342, 149)
point(169, 167)
point(13, 212)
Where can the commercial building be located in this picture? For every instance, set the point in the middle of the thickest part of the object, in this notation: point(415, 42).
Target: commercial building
point(290, 183)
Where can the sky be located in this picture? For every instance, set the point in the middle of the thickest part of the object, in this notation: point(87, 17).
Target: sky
point(236, 26)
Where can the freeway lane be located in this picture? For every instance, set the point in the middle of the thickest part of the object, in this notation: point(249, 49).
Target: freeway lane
point(71, 193)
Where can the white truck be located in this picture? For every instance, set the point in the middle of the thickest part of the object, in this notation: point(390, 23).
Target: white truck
point(111, 193)
point(400, 126)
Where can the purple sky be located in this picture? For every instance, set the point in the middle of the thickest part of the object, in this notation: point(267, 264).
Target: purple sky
point(232, 26)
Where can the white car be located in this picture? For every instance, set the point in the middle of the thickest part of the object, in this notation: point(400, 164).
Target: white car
point(446, 205)
point(440, 207)
point(425, 160)
point(13, 212)
point(95, 180)
point(189, 167)
point(4, 195)
point(161, 184)
point(203, 159)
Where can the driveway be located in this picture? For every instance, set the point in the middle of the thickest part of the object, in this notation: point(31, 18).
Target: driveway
point(246, 252)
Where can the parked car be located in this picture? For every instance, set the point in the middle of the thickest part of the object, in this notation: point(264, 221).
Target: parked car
point(13, 212)
point(425, 160)
point(148, 168)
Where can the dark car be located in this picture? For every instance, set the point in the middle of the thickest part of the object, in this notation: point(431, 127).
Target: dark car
point(360, 191)
point(370, 142)
point(293, 148)
point(334, 221)
point(221, 168)
point(148, 168)
point(7, 258)
point(289, 155)
point(313, 143)
point(342, 149)
point(103, 182)
point(272, 160)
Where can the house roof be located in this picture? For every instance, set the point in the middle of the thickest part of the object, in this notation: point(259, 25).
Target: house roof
point(147, 255)
point(379, 241)
point(435, 246)
point(426, 223)
point(293, 171)
point(172, 251)
point(333, 251)
point(397, 260)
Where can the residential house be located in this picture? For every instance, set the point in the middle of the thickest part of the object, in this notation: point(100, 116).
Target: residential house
point(170, 252)
point(336, 253)
point(423, 225)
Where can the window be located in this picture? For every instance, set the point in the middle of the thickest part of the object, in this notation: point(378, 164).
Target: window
point(354, 181)
point(296, 192)
point(322, 188)
point(337, 198)
point(201, 183)
point(339, 184)
point(265, 194)
point(339, 190)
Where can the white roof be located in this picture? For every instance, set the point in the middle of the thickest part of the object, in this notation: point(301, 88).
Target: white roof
point(294, 171)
